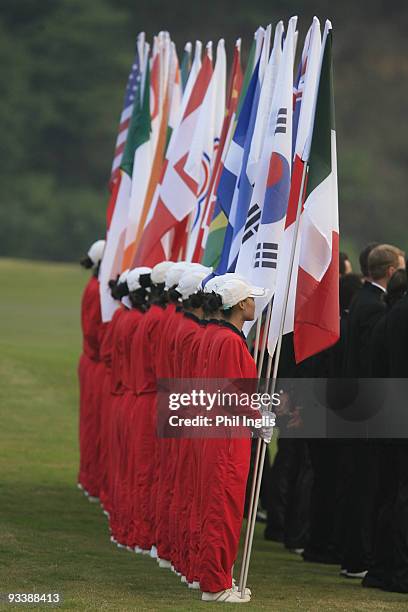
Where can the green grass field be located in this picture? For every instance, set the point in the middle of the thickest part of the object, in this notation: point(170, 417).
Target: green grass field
point(51, 538)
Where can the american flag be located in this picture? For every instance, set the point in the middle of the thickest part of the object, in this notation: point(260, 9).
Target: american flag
point(130, 95)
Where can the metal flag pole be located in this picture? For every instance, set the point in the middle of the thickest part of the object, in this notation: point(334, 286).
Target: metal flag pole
point(264, 338)
point(258, 476)
point(258, 445)
point(257, 336)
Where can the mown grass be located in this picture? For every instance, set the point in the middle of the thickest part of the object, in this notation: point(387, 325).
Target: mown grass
point(51, 538)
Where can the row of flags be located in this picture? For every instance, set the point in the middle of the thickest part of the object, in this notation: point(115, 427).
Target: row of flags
point(241, 177)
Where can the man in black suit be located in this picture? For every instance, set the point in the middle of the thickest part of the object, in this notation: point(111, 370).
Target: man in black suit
point(366, 310)
point(381, 573)
point(397, 348)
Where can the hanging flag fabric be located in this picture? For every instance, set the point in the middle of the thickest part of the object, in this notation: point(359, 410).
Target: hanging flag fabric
point(132, 84)
point(253, 140)
point(219, 221)
point(228, 188)
point(317, 316)
point(205, 145)
point(261, 148)
point(234, 89)
point(125, 117)
point(265, 225)
point(175, 94)
point(185, 65)
point(148, 213)
point(305, 127)
point(177, 189)
point(139, 171)
point(112, 260)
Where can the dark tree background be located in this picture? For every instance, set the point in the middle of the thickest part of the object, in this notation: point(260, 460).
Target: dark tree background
point(64, 66)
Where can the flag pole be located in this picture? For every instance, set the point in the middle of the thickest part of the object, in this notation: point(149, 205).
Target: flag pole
point(258, 476)
point(257, 336)
point(264, 338)
point(258, 445)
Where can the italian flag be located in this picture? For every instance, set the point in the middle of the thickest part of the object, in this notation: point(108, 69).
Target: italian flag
point(138, 169)
point(317, 317)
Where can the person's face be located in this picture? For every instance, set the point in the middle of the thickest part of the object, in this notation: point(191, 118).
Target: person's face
point(392, 269)
point(401, 263)
point(248, 308)
point(348, 268)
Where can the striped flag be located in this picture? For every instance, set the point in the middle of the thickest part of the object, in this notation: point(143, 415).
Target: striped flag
point(317, 316)
point(130, 95)
point(253, 139)
point(112, 260)
point(205, 146)
point(305, 128)
point(234, 89)
point(194, 71)
point(177, 190)
point(264, 229)
point(259, 157)
point(219, 221)
point(139, 169)
point(228, 188)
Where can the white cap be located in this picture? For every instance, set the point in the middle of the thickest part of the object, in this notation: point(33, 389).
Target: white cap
point(95, 253)
point(174, 274)
point(217, 281)
point(134, 277)
point(122, 278)
point(234, 290)
point(159, 271)
point(190, 282)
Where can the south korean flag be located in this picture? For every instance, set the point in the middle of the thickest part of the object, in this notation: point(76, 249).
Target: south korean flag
point(276, 167)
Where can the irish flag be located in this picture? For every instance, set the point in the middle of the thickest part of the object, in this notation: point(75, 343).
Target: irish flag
point(316, 323)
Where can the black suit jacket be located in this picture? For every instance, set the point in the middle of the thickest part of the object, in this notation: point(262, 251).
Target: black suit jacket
point(397, 339)
point(366, 310)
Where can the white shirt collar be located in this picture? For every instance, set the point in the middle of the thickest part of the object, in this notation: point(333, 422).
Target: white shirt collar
point(377, 285)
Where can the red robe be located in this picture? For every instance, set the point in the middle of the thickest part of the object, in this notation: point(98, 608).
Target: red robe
point(89, 411)
point(124, 329)
point(104, 382)
point(224, 471)
point(167, 448)
point(143, 381)
point(199, 350)
point(188, 332)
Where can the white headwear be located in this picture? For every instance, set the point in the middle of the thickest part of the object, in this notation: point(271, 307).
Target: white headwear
point(234, 290)
point(174, 275)
point(158, 274)
point(190, 282)
point(217, 281)
point(95, 253)
point(133, 278)
point(122, 278)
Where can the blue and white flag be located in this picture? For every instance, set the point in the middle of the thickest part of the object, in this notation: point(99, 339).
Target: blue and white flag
point(272, 185)
point(257, 157)
point(239, 210)
point(229, 185)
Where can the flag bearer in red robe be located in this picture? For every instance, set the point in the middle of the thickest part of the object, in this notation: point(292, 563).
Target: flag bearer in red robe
point(168, 448)
point(88, 410)
point(138, 282)
point(225, 461)
point(199, 353)
point(144, 349)
point(104, 383)
point(123, 335)
point(185, 469)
